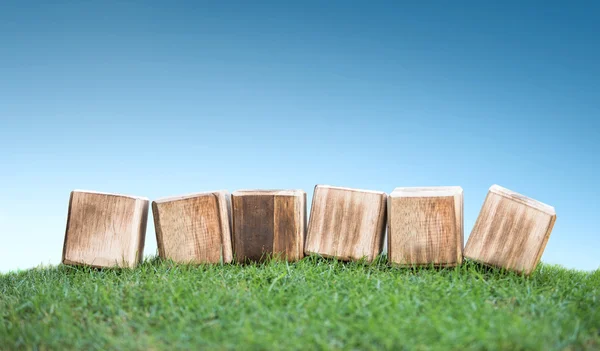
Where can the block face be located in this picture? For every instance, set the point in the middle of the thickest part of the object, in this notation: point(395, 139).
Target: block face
point(253, 226)
point(425, 226)
point(289, 225)
point(194, 228)
point(511, 231)
point(267, 223)
point(345, 223)
point(105, 230)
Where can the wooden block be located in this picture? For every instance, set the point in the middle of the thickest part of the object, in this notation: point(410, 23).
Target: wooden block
point(268, 223)
point(425, 226)
point(511, 231)
point(194, 228)
point(345, 223)
point(105, 230)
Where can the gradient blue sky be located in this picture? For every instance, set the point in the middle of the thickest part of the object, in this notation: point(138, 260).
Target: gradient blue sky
point(164, 98)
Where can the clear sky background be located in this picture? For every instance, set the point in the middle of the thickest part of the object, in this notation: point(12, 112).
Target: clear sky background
point(166, 98)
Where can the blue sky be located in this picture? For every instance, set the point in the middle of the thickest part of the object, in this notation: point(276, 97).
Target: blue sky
point(164, 98)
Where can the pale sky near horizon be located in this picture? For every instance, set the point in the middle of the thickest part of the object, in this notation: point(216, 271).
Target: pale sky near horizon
point(159, 98)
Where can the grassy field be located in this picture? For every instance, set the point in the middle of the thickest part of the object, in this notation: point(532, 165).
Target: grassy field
point(313, 304)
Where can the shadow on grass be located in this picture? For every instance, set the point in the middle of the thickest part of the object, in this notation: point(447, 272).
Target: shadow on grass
point(379, 264)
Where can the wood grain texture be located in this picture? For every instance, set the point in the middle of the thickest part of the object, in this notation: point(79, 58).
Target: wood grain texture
point(194, 228)
point(425, 226)
point(105, 230)
point(268, 223)
point(345, 223)
point(511, 231)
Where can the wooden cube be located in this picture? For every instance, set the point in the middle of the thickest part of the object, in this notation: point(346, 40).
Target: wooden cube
point(511, 231)
point(425, 226)
point(268, 223)
point(348, 224)
point(194, 228)
point(105, 230)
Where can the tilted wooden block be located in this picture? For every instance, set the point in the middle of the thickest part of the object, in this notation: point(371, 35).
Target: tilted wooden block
point(345, 223)
point(268, 223)
point(425, 226)
point(511, 231)
point(194, 228)
point(105, 230)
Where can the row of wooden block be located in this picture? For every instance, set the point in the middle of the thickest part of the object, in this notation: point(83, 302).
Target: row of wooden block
point(425, 227)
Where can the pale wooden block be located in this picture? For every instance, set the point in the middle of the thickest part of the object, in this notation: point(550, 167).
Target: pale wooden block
point(194, 228)
point(348, 224)
point(268, 223)
point(425, 226)
point(105, 230)
point(511, 231)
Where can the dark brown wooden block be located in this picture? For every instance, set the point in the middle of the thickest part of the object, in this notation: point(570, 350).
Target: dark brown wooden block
point(105, 230)
point(345, 223)
point(194, 228)
point(511, 231)
point(268, 223)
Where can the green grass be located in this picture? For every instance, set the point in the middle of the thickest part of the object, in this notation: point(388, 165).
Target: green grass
point(313, 304)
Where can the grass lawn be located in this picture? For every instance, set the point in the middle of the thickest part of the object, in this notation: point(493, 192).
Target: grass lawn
point(313, 304)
